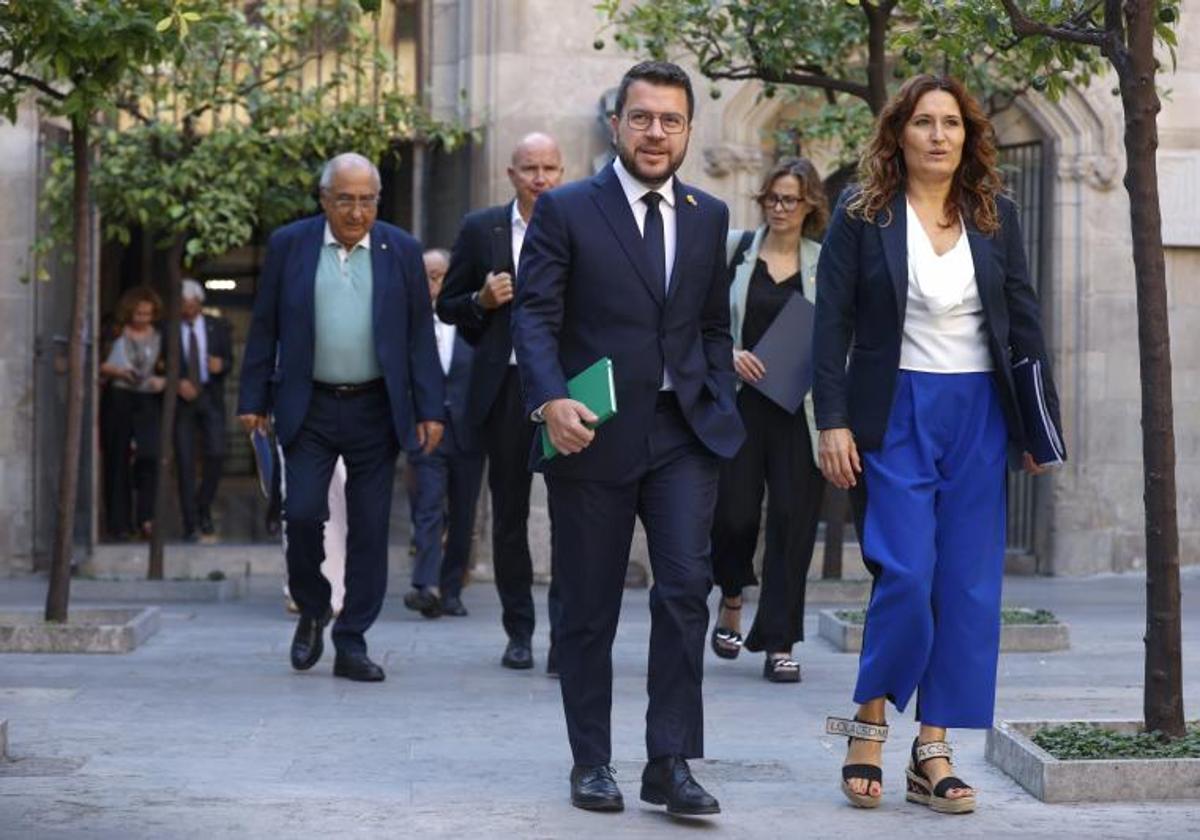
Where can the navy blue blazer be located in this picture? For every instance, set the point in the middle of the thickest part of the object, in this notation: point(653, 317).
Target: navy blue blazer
point(462, 432)
point(278, 364)
point(862, 293)
point(484, 244)
point(587, 290)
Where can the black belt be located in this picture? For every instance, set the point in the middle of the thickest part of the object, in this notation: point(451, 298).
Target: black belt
point(350, 388)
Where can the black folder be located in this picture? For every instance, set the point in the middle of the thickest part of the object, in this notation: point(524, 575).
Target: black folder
point(785, 350)
point(1042, 437)
point(264, 460)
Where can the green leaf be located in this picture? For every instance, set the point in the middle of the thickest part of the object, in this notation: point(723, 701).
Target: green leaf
point(165, 24)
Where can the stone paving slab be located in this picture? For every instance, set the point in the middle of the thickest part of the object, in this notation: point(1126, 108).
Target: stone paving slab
point(205, 732)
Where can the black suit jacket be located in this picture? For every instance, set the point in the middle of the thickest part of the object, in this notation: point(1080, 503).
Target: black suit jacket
point(219, 337)
point(476, 252)
point(862, 293)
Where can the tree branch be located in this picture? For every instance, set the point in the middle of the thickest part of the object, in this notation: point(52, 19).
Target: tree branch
point(250, 87)
point(1025, 26)
point(34, 82)
point(811, 80)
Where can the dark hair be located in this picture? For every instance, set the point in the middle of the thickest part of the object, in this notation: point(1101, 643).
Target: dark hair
point(811, 190)
point(134, 297)
point(881, 170)
point(657, 73)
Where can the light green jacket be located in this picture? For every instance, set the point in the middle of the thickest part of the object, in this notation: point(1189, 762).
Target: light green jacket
point(739, 287)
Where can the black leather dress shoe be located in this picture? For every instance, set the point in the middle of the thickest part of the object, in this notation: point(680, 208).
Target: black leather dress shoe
point(453, 605)
point(423, 601)
point(308, 643)
point(595, 789)
point(206, 524)
point(518, 655)
point(357, 667)
point(668, 781)
point(552, 662)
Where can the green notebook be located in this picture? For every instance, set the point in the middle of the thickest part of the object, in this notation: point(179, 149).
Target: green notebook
point(594, 388)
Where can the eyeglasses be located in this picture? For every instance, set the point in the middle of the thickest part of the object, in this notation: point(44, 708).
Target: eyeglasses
point(671, 123)
point(787, 202)
point(347, 203)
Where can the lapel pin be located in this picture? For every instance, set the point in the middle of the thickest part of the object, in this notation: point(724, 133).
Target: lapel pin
point(691, 199)
point(383, 246)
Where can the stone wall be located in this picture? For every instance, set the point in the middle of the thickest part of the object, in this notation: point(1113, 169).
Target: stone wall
point(18, 165)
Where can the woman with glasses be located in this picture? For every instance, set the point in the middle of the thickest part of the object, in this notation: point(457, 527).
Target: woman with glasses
point(132, 407)
point(924, 285)
point(776, 262)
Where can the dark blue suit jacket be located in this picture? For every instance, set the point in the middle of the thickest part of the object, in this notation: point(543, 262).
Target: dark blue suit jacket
point(462, 434)
point(587, 291)
point(278, 364)
point(484, 244)
point(862, 293)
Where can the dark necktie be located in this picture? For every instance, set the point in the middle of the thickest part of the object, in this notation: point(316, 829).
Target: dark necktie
point(652, 235)
point(193, 355)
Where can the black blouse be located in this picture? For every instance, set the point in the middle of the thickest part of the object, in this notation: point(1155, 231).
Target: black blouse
point(764, 299)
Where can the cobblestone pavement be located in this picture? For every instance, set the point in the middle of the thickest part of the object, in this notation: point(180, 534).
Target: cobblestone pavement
point(205, 732)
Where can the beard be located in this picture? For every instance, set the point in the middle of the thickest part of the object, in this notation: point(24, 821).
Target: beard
point(650, 179)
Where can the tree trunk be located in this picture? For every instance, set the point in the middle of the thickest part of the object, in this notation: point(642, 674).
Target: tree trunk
point(877, 28)
point(1136, 69)
point(166, 447)
point(59, 592)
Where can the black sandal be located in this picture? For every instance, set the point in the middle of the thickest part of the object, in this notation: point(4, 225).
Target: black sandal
point(864, 731)
point(934, 797)
point(726, 643)
point(781, 669)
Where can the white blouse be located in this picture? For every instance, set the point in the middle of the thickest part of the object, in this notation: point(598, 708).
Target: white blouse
point(944, 330)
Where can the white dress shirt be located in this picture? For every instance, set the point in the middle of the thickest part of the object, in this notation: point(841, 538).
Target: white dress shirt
point(634, 191)
point(944, 329)
point(519, 226)
point(444, 333)
point(201, 345)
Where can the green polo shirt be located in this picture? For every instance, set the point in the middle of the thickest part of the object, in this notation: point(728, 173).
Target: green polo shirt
point(345, 334)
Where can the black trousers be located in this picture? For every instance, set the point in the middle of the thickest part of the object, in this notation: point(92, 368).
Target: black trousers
point(130, 416)
point(358, 427)
point(673, 495)
point(203, 416)
point(507, 437)
point(777, 458)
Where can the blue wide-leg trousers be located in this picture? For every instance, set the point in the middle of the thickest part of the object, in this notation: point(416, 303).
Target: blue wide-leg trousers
point(934, 536)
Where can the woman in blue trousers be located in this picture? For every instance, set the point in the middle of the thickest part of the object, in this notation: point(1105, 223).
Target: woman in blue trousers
point(923, 285)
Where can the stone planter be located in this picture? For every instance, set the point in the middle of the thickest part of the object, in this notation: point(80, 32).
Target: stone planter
point(1009, 747)
point(157, 591)
point(86, 631)
point(846, 636)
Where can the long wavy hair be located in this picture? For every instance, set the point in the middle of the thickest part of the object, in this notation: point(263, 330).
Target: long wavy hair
point(882, 173)
point(811, 191)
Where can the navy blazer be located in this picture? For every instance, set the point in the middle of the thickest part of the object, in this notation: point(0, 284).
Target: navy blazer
point(862, 293)
point(461, 431)
point(488, 330)
point(587, 290)
point(278, 365)
point(219, 338)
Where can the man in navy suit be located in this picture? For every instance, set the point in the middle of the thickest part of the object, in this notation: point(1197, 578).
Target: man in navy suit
point(477, 299)
point(207, 356)
point(341, 349)
point(630, 265)
point(447, 480)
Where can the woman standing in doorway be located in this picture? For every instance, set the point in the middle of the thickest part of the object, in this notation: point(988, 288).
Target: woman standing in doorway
point(779, 455)
point(923, 282)
point(133, 407)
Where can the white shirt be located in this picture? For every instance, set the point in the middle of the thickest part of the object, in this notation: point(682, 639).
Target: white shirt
point(519, 226)
point(344, 252)
point(944, 328)
point(634, 191)
point(444, 333)
point(201, 345)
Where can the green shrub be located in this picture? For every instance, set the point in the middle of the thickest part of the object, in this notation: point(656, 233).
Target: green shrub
point(1076, 741)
